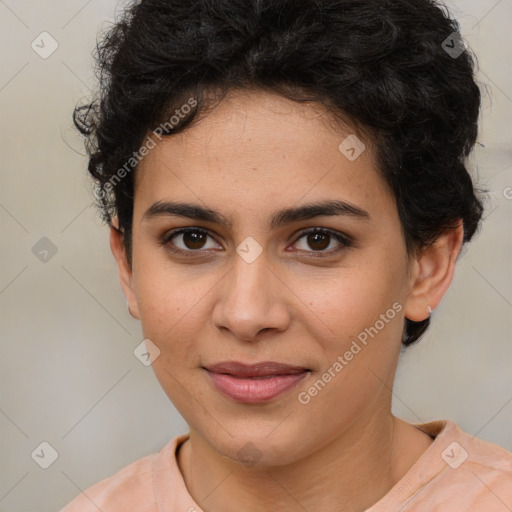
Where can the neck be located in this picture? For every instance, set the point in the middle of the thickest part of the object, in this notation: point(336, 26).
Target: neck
point(350, 473)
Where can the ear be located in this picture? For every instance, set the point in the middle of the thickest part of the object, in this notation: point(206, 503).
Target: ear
point(125, 271)
point(432, 273)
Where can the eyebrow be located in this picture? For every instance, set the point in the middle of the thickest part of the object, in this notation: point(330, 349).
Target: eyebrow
point(279, 218)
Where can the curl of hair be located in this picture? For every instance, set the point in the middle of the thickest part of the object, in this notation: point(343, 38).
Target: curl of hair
point(381, 65)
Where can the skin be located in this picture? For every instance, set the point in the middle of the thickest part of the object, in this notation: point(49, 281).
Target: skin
point(254, 154)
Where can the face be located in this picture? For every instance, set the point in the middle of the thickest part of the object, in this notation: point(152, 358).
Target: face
point(247, 273)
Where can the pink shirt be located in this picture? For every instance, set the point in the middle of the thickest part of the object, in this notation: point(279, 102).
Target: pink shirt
point(456, 473)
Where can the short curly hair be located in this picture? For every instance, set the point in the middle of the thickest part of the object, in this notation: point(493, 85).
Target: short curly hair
point(385, 65)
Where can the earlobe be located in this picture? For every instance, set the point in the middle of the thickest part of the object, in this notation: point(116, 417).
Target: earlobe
point(432, 273)
point(124, 268)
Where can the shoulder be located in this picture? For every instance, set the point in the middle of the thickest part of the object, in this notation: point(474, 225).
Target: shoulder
point(472, 474)
point(460, 449)
point(131, 488)
point(457, 472)
point(486, 462)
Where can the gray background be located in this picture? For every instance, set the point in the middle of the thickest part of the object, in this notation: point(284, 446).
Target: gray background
point(68, 375)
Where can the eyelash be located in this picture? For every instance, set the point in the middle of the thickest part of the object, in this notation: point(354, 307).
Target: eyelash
point(344, 240)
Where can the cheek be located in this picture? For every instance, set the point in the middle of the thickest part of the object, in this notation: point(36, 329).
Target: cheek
point(362, 308)
point(171, 306)
point(172, 311)
point(353, 299)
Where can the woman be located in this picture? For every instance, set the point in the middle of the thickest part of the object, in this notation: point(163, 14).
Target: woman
point(287, 195)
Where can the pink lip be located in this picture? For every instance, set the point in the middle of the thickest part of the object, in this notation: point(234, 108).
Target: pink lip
point(256, 382)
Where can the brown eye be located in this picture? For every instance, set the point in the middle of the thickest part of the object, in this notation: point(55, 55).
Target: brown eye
point(318, 240)
point(189, 240)
point(194, 239)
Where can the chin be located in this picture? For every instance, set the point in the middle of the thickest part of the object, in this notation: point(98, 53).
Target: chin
point(255, 448)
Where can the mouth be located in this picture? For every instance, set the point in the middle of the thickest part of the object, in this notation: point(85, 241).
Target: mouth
point(253, 383)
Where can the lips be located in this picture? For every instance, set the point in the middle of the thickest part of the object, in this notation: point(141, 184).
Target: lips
point(252, 383)
point(263, 369)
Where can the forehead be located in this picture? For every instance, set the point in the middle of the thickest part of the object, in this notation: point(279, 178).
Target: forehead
point(256, 150)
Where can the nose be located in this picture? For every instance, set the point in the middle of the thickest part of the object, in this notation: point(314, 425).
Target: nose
point(252, 301)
